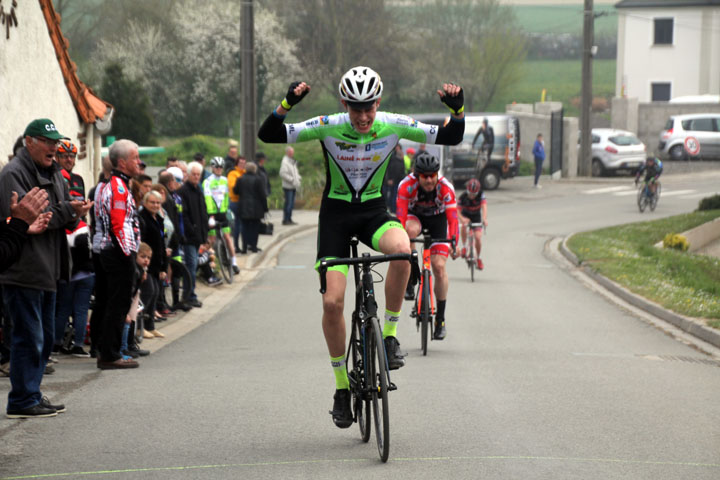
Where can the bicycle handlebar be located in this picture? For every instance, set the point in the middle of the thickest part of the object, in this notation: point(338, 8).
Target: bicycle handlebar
point(364, 260)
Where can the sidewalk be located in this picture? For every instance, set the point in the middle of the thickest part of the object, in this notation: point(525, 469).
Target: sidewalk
point(71, 371)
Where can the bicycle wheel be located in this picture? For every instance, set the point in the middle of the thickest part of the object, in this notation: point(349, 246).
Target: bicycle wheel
point(654, 199)
point(425, 311)
point(471, 261)
point(358, 388)
point(376, 374)
point(642, 200)
point(224, 260)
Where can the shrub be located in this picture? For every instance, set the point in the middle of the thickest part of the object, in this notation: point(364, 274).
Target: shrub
point(676, 241)
point(710, 203)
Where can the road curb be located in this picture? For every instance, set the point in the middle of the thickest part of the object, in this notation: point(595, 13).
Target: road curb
point(686, 324)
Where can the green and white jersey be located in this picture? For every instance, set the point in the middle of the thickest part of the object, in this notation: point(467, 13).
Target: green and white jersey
point(355, 163)
point(216, 194)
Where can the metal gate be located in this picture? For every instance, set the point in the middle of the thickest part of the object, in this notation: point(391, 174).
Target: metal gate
point(556, 141)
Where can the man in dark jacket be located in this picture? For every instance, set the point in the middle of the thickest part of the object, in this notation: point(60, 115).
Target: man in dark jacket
point(253, 205)
point(171, 179)
point(195, 223)
point(260, 160)
point(29, 285)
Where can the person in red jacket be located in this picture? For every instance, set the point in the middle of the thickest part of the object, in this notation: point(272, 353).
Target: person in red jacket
point(427, 200)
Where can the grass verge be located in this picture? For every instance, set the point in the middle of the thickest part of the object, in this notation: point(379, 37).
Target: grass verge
point(685, 283)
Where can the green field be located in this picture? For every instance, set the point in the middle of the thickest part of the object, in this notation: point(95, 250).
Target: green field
point(561, 78)
point(564, 19)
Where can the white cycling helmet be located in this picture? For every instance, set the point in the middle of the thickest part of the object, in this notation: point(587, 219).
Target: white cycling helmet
point(360, 86)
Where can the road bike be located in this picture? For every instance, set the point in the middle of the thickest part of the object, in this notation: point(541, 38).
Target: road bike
point(222, 252)
point(423, 310)
point(646, 198)
point(369, 374)
point(470, 256)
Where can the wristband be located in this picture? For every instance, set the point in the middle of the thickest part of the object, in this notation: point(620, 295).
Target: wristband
point(461, 110)
point(285, 104)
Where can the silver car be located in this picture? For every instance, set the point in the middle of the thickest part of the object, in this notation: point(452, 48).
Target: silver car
point(616, 151)
point(703, 127)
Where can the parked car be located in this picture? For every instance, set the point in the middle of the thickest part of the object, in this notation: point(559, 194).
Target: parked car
point(616, 151)
point(704, 127)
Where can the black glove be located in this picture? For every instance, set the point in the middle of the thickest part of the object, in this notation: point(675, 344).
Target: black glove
point(291, 99)
point(455, 104)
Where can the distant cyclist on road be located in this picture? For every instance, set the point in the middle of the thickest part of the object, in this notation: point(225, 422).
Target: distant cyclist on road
point(653, 169)
point(357, 145)
point(473, 209)
point(217, 200)
point(426, 200)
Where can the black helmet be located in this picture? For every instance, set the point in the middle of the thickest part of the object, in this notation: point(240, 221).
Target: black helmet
point(426, 163)
point(217, 162)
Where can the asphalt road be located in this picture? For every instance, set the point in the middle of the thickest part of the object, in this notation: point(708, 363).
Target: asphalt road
point(539, 377)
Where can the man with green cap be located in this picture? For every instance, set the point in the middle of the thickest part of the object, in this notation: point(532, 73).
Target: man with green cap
point(29, 285)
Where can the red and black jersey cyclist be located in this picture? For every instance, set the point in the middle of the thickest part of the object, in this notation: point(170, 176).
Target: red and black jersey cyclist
point(427, 200)
point(473, 209)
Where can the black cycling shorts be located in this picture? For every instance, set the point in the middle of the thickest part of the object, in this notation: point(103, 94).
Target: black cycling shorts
point(438, 228)
point(340, 220)
point(474, 217)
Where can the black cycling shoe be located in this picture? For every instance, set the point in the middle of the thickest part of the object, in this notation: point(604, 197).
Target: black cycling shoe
point(341, 412)
point(409, 293)
point(440, 331)
point(395, 356)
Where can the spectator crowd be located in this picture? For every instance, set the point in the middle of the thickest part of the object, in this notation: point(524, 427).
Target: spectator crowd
point(92, 268)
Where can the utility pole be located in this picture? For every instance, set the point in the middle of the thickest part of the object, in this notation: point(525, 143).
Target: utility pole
point(585, 159)
point(249, 109)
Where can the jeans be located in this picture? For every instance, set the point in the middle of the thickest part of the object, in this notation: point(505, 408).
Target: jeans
point(119, 271)
point(191, 262)
point(538, 168)
point(33, 314)
point(237, 226)
point(73, 299)
point(289, 204)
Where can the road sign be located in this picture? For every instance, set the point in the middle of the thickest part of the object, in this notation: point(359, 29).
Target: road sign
point(692, 146)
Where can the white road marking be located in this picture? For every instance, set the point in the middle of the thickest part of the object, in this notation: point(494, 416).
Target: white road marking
point(675, 192)
point(595, 191)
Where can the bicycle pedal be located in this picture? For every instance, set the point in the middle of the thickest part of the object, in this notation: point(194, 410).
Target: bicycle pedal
point(392, 387)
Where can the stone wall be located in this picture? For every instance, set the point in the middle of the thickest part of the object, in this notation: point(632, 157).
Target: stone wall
point(535, 119)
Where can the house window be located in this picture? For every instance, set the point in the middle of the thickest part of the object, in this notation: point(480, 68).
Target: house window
point(663, 31)
point(660, 92)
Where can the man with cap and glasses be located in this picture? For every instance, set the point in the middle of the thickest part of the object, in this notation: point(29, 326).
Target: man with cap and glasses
point(29, 285)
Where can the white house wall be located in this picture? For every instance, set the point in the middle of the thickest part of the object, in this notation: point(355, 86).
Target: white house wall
point(681, 64)
point(32, 84)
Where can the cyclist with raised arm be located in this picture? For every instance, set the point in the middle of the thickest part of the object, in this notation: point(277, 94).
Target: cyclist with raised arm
point(473, 209)
point(217, 200)
point(653, 169)
point(357, 146)
point(427, 201)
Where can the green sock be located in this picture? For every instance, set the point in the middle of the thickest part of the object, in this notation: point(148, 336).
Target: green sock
point(341, 378)
point(391, 323)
